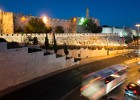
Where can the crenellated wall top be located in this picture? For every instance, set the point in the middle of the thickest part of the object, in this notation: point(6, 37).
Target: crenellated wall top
point(58, 34)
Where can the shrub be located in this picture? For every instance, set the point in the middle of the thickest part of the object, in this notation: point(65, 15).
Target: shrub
point(90, 48)
point(94, 47)
point(35, 40)
point(11, 45)
point(99, 47)
point(30, 50)
point(2, 40)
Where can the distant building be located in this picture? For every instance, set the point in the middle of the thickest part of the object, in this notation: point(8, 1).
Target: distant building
point(120, 31)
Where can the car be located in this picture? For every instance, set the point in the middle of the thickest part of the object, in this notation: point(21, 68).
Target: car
point(137, 51)
point(133, 90)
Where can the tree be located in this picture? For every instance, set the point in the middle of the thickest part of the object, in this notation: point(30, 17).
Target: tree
point(35, 25)
point(13, 45)
point(2, 40)
point(59, 29)
point(55, 44)
point(46, 42)
point(66, 49)
point(49, 29)
point(105, 26)
point(90, 26)
point(18, 29)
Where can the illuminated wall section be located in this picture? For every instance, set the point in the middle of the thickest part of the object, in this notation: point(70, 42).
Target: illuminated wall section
point(120, 31)
point(107, 30)
point(134, 32)
point(7, 23)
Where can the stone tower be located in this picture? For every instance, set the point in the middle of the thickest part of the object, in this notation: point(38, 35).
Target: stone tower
point(87, 13)
point(0, 21)
point(6, 22)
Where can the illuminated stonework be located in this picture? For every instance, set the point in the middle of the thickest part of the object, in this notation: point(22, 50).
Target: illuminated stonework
point(10, 22)
point(6, 22)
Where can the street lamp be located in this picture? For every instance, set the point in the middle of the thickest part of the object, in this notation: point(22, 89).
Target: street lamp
point(138, 26)
point(45, 19)
point(138, 30)
point(107, 45)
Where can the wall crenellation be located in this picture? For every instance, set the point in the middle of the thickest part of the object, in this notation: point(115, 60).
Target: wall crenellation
point(58, 34)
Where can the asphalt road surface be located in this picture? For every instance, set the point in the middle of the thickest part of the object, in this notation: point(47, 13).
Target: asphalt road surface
point(55, 87)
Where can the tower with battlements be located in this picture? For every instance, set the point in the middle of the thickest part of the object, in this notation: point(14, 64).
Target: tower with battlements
point(87, 13)
point(6, 22)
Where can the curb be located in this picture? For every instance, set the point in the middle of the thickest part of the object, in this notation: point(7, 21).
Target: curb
point(69, 92)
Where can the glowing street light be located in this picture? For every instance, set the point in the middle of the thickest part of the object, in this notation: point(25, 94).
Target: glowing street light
point(138, 25)
point(74, 19)
point(45, 19)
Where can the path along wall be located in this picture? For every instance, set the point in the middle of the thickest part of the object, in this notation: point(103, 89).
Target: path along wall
point(84, 53)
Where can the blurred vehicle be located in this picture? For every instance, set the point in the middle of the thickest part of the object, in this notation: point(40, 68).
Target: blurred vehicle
point(133, 90)
point(99, 83)
point(137, 51)
point(138, 81)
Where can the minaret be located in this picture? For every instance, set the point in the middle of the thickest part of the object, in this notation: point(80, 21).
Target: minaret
point(87, 13)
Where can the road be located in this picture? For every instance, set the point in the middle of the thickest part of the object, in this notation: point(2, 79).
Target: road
point(55, 87)
point(132, 76)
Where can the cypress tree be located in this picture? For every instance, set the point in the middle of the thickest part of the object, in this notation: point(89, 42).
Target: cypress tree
point(66, 49)
point(47, 45)
point(55, 44)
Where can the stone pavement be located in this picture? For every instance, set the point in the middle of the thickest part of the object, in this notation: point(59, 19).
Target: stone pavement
point(89, 60)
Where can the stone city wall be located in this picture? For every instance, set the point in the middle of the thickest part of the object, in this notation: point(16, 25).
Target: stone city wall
point(18, 66)
point(83, 39)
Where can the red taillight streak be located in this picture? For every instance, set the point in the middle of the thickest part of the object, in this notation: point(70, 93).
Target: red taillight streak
point(85, 87)
point(135, 91)
point(107, 81)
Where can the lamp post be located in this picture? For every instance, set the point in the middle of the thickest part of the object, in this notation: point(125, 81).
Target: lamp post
point(107, 46)
point(138, 31)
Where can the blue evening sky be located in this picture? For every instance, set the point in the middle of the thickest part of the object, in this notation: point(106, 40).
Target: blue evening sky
point(116, 13)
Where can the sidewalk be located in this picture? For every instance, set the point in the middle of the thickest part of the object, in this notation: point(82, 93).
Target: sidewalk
point(89, 60)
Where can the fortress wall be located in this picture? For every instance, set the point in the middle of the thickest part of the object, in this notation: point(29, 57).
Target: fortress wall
point(20, 66)
point(69, 38)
